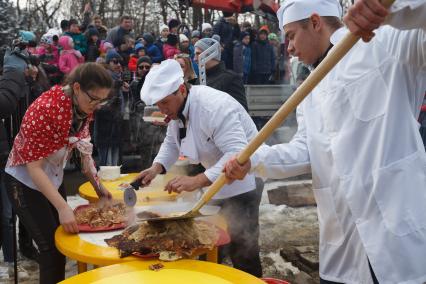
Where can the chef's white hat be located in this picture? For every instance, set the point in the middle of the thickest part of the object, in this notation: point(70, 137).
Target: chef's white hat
point(161, 81)
point(296, 10)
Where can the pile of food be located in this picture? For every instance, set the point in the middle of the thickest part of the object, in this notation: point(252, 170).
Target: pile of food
point(106, 215)
point(170, 240)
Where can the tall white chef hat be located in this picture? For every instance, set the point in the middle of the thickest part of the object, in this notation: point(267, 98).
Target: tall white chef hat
point(161, 81)
point(296, 10)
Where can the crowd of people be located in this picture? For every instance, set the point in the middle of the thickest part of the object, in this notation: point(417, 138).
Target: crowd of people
point(33, 67)
point(57, 84)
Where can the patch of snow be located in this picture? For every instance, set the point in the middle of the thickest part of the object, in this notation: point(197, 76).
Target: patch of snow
point(280, 264)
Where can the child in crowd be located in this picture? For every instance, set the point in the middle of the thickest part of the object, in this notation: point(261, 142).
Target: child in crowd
point(69, 58)
point(139, 52)
point(93, 44)
point(105, 46)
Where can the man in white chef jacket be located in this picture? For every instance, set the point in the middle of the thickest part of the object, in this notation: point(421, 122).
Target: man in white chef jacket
point(358, 135)
point(207, 126)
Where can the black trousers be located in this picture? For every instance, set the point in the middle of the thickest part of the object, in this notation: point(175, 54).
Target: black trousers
point(322, 281)
point(41, 220)
point(242, 214)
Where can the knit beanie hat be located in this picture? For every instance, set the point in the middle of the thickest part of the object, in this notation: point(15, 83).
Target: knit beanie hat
point(111, 54)
point(196, 34)
point(145, 59)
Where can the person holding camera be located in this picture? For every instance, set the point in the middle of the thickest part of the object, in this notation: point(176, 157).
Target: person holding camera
point(15, 87)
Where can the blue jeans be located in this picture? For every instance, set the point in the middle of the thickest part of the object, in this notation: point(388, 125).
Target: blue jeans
point(6, 222)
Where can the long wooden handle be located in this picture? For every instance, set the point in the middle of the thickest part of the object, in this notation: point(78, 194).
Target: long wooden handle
point(333, 57)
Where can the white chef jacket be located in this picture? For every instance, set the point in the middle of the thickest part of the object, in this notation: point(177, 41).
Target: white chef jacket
point(358, 132)
point(218, 127)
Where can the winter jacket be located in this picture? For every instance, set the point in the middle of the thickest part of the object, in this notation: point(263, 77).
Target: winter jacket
point(222, 79)
point(102, 30)
point(109, 119)
point(170, 51)
point(263, 58)
point(116, 36)
point(14, 92)
point(50, 57)
point(69, 58)
point(227, 32)
point(80, 41)
point(160, 42)
point(92, 52)
point(242, 59)
point(135, 89)
point(133, 62)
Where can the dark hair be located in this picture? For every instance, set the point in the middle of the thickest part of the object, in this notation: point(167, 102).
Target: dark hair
point(90, 76)
point(331, 21)
point(125, 17)
point(73, 22)
point(65, 24)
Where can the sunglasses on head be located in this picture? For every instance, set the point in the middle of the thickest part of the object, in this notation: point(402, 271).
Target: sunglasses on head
point(141, 67)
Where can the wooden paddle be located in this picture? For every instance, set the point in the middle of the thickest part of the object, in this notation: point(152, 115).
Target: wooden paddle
point(333, 57)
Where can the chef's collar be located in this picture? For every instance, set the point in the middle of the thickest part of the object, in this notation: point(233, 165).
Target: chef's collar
point(184, 110)
point(334, 39)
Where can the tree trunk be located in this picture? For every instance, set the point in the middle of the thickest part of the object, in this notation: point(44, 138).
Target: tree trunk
point(122, 4)
point(163, 5)
point(101, 9)
point(207, 15)
point(145, 3)
point(197, 18)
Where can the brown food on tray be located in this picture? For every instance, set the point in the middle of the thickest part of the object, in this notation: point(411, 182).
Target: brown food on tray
point(157, 114)
point(147, 214)
point(105, 216)
point(170, 239)
point(156, 267)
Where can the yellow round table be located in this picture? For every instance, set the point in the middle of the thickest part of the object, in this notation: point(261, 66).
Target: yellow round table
point(151, 194)
point(178, 272)
point(72, 246)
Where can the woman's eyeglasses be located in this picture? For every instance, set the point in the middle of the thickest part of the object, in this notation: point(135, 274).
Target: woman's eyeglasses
point(115, 61)
point(146, 67)
point(96, 101)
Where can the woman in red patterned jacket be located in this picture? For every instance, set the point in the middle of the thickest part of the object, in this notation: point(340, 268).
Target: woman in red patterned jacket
point(57, 122)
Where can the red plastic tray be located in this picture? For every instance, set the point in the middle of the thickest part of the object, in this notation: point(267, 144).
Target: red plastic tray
point(223, 239)
point(86, 227)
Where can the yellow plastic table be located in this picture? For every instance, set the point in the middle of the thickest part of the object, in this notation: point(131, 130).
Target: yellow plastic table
point(151, 194)
point(178, 272)
point(72, 246)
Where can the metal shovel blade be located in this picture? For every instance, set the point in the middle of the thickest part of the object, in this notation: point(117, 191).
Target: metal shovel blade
point(173, 211)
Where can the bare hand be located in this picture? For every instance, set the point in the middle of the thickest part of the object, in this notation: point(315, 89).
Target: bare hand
point(67, 220)
point(125, 88)
point(234, 171)
point(102, 192)
point(159, 123)
point(365, 16)
point(87, 8)
point(146, 176)
point(181, 183)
